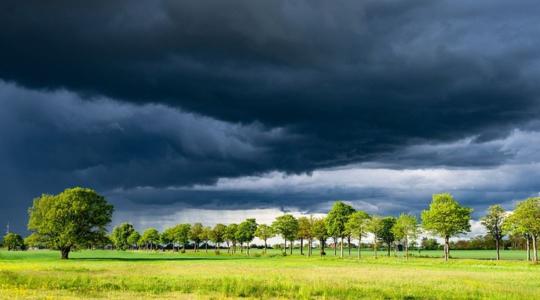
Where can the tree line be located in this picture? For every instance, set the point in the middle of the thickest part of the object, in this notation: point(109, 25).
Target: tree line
point(78, 217)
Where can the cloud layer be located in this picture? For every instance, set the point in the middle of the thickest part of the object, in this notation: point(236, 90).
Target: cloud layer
point(188, 103)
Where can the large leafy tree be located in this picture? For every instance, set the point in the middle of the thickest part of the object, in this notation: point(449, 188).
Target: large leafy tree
point(336, 220)
point(246, 232)
point(406, 229)
point(150, 238)
point(264, 232)
point(181, 235)
point(493, 221)
point(357, 226)
point(446, 218)
point(77, 217)
point(286, 226)
point(13, 241)
point(320, 233)
point(120, 235)
point(526, 220)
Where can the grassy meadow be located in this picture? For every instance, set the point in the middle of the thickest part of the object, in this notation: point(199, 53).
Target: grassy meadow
point(141, 275)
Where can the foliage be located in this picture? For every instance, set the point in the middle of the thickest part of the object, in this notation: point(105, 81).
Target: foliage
point(218, 234)
point(13, 241)
point(150, 237)
point(406, 228)
point(196, 234)
point(445, 217)
point(337, 218)
point(264, 232)
point(74, 218)
point(246, 231)
point(133, 238)
point(286, 226)
point(120, 235)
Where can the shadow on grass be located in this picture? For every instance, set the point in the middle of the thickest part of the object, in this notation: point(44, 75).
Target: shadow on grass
point(155, 258)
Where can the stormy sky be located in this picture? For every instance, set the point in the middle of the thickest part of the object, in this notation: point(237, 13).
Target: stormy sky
point(217, 110)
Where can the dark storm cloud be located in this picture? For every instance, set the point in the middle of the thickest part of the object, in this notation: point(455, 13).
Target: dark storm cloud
point(356, 78)
point(119, 95)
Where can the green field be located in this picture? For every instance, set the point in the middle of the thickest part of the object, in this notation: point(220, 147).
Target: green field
point(129, 275)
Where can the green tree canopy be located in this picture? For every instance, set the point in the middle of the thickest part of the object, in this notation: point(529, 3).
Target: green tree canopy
point(133, 238)
point(150, 237)
point(446, 218)
point(493, 221)
point(320, 232)
point(218, 234)
point(246, 231)
point(526, 220)
point(120, 235)
point(196, 234)
point(336, 219)
point(286, 226)
point(13, 241)
point(357, 226)
point(76, 217)
point(406, 229)
point(264, 232)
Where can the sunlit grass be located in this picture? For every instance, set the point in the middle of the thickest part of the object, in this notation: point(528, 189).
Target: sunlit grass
point(117, 275)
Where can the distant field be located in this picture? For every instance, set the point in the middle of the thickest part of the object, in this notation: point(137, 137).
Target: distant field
point(129, 275)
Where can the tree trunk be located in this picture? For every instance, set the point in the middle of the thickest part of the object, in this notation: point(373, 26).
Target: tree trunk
point(359, 243)
point(349, 244)
point(247, 248)
point(65, 252)
point(497, 248)
point(535, 250)
point(285, 246)
point(206, 247)
point(388, 250)
point(265, 246)
point(292, 244)
point(309, 248)
point(301, 246)
point(335, 246)
point(322, 247)
point(446, 248)
point(528, 248)
point(341, 248)
point(406, 248)
point(375, 246)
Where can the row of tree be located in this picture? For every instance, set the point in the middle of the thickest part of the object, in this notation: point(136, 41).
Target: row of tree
point(77, 218)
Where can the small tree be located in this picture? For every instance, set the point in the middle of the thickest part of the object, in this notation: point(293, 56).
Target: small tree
point(493, 222)
point(357, 225)
point(304, 232)
point(133, 239)
point(181, 235)
point(196, 235)
point(446, 218)
point(13, 241)
point(264, 232)
point(218, 235)
point(526, 220)
point(406, 229)
point(74, 218)
point(336, 220)
point(150, 238)
point(386, 235)
point(246, 232)
point(320, 233)
point(230, 237)
point(375, 226)
point(287, 227)
point(120, 234)
point(206, 235)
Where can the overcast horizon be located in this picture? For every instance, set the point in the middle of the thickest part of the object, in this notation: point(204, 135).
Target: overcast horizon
point(213, 111)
